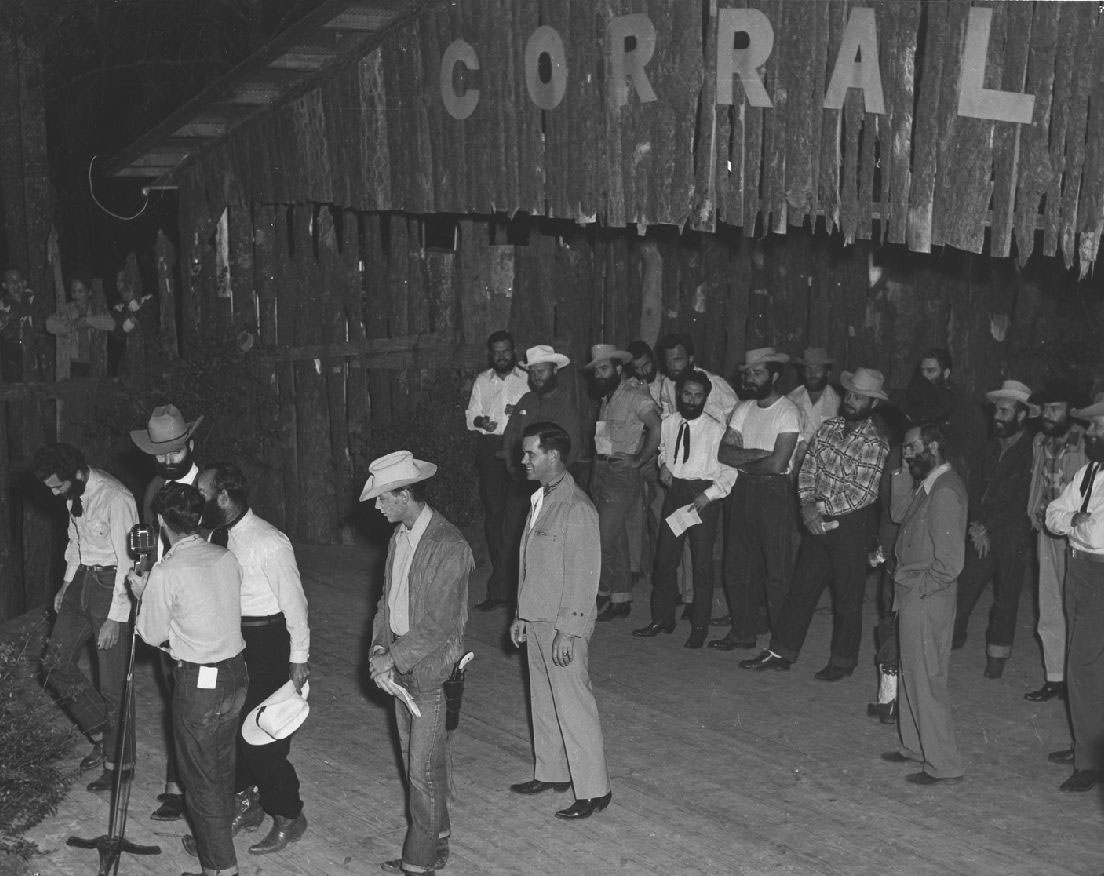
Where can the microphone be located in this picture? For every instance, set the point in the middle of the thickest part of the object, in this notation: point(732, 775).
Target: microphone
point(141, 543)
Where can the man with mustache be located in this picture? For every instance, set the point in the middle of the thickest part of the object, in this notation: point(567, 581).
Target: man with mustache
point(838, 491)
point(928, 499)
point(689, 442)
point(816, 398)
point(1059, 452)
point(676, 359)
point(1000, 536)
point(1078, 513)
point(168, 438)
point(494, 395)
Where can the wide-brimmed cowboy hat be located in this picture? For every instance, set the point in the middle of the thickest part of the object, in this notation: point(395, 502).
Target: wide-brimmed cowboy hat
point(1011, 390)
point(762, 355)
point(543, 354)
point(607, 353)
point(280, 715)
point(865, 381)
point(398, 469)
point(166, 431)
point(815, 356)
point(1096, 409)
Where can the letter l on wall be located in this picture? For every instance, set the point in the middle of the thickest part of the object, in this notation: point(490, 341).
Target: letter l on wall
point(979, 102)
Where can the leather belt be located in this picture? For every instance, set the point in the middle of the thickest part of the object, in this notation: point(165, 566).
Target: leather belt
point(1086, 555)
point(262, 620)
point(609, 457)
point(183, 664)
point(92, 568)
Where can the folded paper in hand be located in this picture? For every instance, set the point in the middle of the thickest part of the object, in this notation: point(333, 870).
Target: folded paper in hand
point(392, 687)
point(681, 519)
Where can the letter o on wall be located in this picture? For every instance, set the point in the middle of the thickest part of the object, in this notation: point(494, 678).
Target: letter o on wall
point(544, 56)
point(458, 105)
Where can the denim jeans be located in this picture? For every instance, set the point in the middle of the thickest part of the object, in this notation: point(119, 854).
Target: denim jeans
point(83, 611)
point(615, 489)
point(425, 758)
point(205, 730)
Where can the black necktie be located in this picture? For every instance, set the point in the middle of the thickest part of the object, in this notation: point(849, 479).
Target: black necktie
point(220, 535)
point(683, 439)
point(1087, 485)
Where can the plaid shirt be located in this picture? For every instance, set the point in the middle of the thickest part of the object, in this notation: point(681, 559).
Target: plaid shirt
point(843, 469)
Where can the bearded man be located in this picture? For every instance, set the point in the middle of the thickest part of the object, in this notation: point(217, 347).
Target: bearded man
point(168, 439)
point(1059, 452)
point(676, 359)
point(999, 532)
point(928, 499)
point(816, 398)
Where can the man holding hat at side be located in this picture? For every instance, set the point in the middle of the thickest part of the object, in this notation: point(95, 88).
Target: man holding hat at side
point(838, 489)
point(626, 436)
point(1000, 535)
point(417, 639)
point(816, 398)
point(168, 438)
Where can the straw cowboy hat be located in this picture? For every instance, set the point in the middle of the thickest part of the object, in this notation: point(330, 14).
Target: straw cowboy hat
point(864, 381)
point(1096, 409)
point(1011, 390)
point(815, 356)
point(543, 354)
point(398, 469)
point(166, 431)
point(762, 355)
point(278, 716)
point(607, 353)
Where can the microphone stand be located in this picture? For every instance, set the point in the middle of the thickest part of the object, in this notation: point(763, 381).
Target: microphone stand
point(112, 844)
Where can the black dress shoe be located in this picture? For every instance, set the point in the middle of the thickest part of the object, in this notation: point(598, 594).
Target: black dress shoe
point(654, 629)
point(886, 713)
point(896, 757)
point(585, 808)
point(171, 808)
point(958, 641)
point(94, 758)
point(395, 866)
point(994, 667)
point(832, 673)
point(730, 643)
point(105, 780)
point(1048, 691)
point(490, 604)
point(1065, 756)
point(614, 610)
point(536, 786)
point(766, 660)
point(688, 611)
point(1080, 781)
point(284, 830)
point(927, 779)
point(697, 637)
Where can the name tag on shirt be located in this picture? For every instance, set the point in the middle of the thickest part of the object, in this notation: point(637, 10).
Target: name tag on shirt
point(208, 675)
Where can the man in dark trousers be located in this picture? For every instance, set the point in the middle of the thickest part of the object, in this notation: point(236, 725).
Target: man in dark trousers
point(277, 646)
point(929, 501)
point(417, 639)
point(1000, 533)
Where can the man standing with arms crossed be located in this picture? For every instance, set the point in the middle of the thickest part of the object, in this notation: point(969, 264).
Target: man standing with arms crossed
point(559, 569)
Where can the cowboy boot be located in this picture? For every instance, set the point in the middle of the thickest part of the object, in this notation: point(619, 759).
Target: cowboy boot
point(248, 814)
point(284, 830)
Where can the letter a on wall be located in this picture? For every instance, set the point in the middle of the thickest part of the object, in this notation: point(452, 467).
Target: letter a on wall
point(861, 35)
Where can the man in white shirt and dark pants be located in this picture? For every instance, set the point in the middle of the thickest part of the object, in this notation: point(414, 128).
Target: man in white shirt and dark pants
point(277, 639)
point(816, 398)
point(493, 396)
point(688, 446)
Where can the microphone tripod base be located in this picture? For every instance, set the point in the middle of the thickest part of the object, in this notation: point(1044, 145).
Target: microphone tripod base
point(110, 849)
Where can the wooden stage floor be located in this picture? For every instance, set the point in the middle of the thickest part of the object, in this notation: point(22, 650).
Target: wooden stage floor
point(715, 770)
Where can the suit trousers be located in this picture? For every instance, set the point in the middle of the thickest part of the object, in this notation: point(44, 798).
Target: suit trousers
point(1052, 612)
point(267, 766)
point(665, 590)
point(494, 485)
point(924, 706)
point(615, 489)
point(567, 733)
point(1004, 566)
point(1085, 659)
point(838, 558)
point(758, 557)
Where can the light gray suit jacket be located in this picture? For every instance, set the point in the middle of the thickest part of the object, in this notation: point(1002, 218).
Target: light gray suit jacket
point(931, 545)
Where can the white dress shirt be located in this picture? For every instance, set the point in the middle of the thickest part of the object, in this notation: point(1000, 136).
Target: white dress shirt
point(813, 415)
point(1088, 536)
point(398, 600)
point(702, 464)
point(489, 396)
point(270, 579)
point(99, 536)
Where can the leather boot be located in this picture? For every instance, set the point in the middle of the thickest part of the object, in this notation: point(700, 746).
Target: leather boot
point(248, 814)
point(284, 830)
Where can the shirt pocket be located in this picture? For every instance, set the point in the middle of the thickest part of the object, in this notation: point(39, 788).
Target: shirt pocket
point(100, 529)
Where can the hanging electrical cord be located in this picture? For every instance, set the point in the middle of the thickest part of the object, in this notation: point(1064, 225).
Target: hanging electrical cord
point(112, 213)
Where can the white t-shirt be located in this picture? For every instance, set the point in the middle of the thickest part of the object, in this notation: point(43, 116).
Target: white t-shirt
point(760, 427)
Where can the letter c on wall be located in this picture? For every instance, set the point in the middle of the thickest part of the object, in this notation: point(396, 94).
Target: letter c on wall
point(458, 105)
point(546, 40)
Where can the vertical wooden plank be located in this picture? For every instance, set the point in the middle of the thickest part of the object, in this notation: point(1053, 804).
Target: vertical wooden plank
point(831, 131)
point(805, 33)
point(925, 156)
point(897, 176)
point(474, 291)
point(1065, 65)
point(166, 295)
point(1074, 161)
point(241, 269)
point(398, 274)
point(286, 317)
point(417, 296)
point(619, 194)
point(779, 81)
point(375, 149)
point(1091, 221)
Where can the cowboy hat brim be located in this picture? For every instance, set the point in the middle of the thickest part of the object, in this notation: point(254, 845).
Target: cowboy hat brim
point(848, 383)
point(371, 490)
point(254, 734)
point(559, 360)
point(1005, 395)
point(616, 356)
point(155, 448)
point(1094, 410)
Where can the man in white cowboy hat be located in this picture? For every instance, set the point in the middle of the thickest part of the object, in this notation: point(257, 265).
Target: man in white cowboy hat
point(676, 358)
point(1000, 533)
point(417, 638)
point(1078, 513)
point(816, 398)
point(494, 395)
point(626, 435)
point(762, 433)
point(277, 646)
point(838, 488)
point(550, 399)
point(170, 440)
point(193, 602)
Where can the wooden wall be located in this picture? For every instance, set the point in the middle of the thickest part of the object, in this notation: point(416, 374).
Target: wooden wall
point(374, 135)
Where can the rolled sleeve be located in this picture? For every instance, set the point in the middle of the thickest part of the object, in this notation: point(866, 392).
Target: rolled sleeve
point(723, 482)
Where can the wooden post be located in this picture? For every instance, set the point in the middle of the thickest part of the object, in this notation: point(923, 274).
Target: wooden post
point(166, 295)
point(287, 313)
